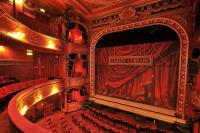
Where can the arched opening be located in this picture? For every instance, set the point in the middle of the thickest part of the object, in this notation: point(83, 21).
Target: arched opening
point(137, 64)
point(72, 35)
point(178, 39)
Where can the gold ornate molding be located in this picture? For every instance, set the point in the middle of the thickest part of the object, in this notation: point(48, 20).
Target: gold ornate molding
point(195, 99)
point(132, 13)
point(184, 45)
point(76, 48)
point(75, 82)
point(20, 103)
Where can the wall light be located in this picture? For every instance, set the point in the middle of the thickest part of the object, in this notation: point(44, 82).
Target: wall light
point(54, 90)
point(16, 35)
point(29, 52)
point(38, 98)
point(2, 48)
point(51, 45)
point(19, 2)
point(24, 110)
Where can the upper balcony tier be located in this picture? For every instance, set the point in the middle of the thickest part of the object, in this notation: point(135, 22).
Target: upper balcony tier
point(14, 30)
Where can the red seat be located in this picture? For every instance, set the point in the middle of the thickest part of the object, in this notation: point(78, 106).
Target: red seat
point(23, 85)
point(37, 82)
point(17, 86)
point(42, 80)
point(2, 92)
point(14, 87)
point(6, 90)
point(29, 83)
point(9, 89)
point(34, 82)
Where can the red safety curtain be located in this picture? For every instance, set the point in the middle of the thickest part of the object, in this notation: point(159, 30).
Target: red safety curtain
point(155, 85)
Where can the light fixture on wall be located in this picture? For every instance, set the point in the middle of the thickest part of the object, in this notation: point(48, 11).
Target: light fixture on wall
point(24, 110)
point(2, 48)
point(17, 35)
point(38, 98)
point(19, 1)
point(19, 5)
point(29, 52)
point(54, 90)
point(51, 45)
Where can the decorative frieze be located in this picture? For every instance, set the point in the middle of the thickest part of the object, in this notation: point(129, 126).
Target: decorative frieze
point(195, 98)
point(132, 13)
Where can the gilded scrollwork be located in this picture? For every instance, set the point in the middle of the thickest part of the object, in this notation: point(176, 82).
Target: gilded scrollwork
point(137, 13)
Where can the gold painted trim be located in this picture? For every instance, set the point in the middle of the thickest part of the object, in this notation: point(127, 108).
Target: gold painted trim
point(137, 105)
point(154, 115)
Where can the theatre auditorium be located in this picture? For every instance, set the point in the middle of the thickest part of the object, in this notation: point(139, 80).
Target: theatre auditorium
point(99, 66)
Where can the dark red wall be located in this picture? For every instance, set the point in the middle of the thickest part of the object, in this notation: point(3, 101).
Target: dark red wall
point(15, 63)
point(40, 23)
point(47, 65)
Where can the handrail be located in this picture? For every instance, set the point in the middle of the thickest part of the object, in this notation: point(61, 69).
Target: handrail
point(24, 100)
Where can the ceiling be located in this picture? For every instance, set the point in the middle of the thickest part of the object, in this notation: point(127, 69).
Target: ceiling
point(86, 8)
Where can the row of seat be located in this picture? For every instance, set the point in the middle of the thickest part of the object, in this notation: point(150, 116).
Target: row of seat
point(85, 125)
point(10, 89)
point(112, 119)
point(127, 124)
point(98, 121)
point(51, 126)
point(62, 124)
point(104, 126)
point(6, 80)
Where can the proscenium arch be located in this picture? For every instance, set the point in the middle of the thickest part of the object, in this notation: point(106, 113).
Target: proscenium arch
point(183, 58)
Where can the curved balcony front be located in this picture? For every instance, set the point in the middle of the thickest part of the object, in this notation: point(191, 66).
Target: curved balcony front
point(12, 29)
point(24, 100)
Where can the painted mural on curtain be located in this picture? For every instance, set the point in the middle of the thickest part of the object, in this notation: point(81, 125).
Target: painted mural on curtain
point(155, 84)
